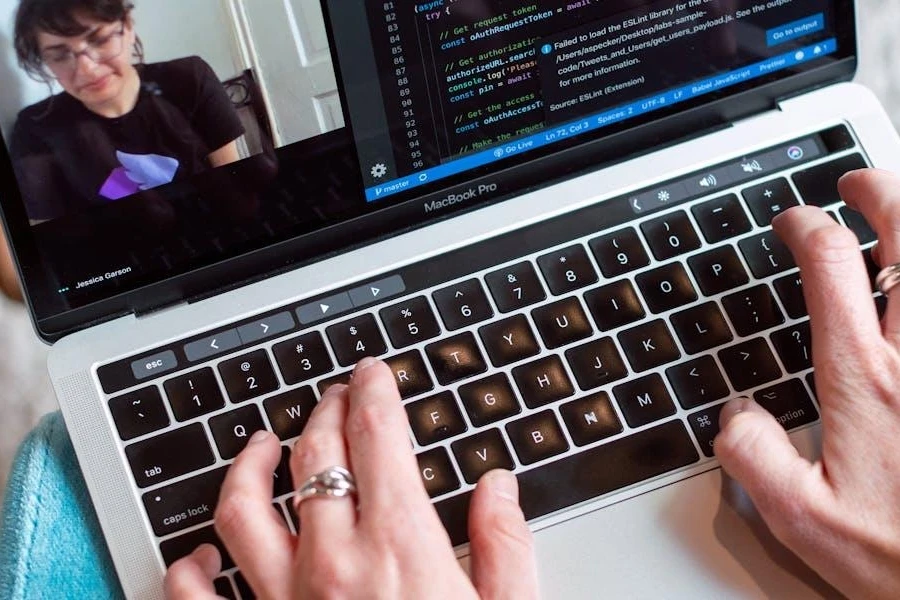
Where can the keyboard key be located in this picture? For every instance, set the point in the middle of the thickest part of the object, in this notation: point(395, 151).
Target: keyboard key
point(789, 403)
point(243, 587)
point(153, 460)
point(194, 395)
point(790, 290)
point(289, 412)
point(139, 413)
point(463, 304)
point(282, 480)
point(248, 376)
point(341, 378)
point(480, 453)
point(184, 504)
point(543, 381)
point(871, 268)
point(701, 327)
point(697, 382)
point(619, 253)
point(181, 546)
point(818, 185)
point(437, 472)
point(509, 341)
point(356, 339)
point(749, 364)
point(410, 322)
point(410, 374)
point(794, 347)
point(489, 400)
point(644, 400)
point(596, 363)
point(766, 255)
point(537, 437)
point(589, 474)
point(590, 419)
point(670, 235)
point(718, 270)
point(753, 310)
point(769, 199)
point(515, 287)
point(705, 425)
point(435, 418)
point(614, 305)
point(666, 288)
point(223, 588)
point(721, 218)
point(858, 224)
point(562, 323)
point(567, 270)
point(303, 358)
point(455, 358)
point(232, 430)
point(649, 345)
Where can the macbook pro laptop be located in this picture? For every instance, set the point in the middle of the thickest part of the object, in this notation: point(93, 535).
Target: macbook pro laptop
point(551, 219)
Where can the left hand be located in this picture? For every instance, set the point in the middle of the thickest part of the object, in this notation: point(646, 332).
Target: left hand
point(391, 545)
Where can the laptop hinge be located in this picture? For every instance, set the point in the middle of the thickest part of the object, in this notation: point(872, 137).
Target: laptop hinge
point(157, 310)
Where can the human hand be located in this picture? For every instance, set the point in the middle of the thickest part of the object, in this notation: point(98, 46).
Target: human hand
point(9, 283)
point(392, 546)
point(841, 514)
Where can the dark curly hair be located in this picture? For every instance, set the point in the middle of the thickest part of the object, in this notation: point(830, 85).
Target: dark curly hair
point(59, 18)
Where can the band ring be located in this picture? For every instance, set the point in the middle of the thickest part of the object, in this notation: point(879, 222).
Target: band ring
point(888, 278)
point(333, 482)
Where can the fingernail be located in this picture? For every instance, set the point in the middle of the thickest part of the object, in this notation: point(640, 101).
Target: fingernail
point(333, 390)
point(504, 485)
point(732, 408)
point(259, 436)
point(209, 559)
point(365, 364)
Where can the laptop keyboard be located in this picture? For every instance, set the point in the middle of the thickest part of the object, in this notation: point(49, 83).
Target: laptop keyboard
point(588, 367)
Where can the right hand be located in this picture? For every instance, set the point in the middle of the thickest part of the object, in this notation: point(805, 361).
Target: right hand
point(841, 514)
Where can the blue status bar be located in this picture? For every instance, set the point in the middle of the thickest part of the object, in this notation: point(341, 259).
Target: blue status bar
point(594, 122)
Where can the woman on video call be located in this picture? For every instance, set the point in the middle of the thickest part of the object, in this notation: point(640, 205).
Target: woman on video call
point(120, 126)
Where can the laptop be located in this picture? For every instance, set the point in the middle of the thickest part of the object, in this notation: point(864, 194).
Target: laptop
point(552, 220)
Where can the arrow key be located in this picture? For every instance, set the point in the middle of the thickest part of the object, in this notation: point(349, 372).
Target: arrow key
point(749, 364)
point(697, 382)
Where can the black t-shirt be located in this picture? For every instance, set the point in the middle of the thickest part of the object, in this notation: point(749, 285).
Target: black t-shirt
point(67, 158)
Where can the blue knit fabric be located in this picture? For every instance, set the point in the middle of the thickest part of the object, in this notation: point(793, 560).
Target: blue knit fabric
point(50, 541)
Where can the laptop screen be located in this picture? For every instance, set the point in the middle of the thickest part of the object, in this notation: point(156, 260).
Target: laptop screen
point(155, 152)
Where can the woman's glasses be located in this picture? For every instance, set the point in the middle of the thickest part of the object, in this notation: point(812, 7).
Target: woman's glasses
point(62, 62)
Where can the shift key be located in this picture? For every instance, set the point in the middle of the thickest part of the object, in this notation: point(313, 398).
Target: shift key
point(169, 455)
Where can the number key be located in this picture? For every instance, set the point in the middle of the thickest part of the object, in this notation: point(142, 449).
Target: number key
point(671, 235)
point(619, 252)
point(303, 358)
point(356, 339)
point(515, 287)
point(410, 322)
point(194, 394)
point(248, 376)
point(567, 269)
point(463, 304)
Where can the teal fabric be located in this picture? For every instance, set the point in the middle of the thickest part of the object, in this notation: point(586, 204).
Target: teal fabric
point(50, 541)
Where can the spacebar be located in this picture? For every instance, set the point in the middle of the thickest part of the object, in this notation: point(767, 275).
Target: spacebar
point(586, 475)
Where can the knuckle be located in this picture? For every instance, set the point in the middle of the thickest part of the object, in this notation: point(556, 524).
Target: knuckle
point(232, 515)
point(328, 577)
point(371, 418)
point(313, 450)
point(832, 245)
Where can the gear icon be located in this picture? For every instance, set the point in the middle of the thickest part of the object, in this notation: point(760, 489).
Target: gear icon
point(379, 171)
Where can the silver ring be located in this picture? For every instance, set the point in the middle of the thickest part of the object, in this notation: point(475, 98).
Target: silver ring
point(333, 482)
point(888, 278)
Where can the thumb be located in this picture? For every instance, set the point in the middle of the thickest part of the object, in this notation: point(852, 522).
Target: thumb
point(192, 576)
point(503, 562)
point(756, 451)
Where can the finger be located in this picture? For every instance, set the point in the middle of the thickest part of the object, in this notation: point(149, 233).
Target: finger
point(320, 447)
point(503, 560)
point(192, 577)
point(836, 286)
point(380, 449)
point(755, 450)
point(876, 194)
point(255, 535)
